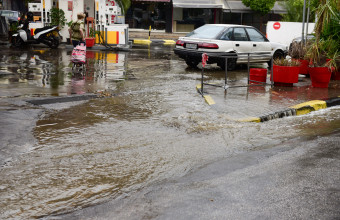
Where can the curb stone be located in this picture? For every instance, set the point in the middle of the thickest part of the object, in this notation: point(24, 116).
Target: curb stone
point(155, 41)
point(300, 109)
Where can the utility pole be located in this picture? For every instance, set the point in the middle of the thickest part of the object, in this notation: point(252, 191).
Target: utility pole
point(307, 19)
point(303, 21)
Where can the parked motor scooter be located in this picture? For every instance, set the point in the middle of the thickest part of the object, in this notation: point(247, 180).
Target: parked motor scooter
point(48, 35)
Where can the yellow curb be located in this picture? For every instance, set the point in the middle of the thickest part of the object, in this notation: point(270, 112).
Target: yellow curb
point(250, 119)
point(144, 42)
point(169, 42)
point(209, 100)
point(307, 107)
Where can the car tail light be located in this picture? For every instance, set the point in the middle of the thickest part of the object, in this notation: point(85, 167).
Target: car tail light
point(18, 18)
point(180, 43)
point(208, 45)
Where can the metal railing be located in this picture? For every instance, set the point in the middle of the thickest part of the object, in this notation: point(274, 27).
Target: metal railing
point(248, 56)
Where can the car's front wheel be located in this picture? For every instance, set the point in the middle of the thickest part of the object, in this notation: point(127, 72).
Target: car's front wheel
point(277, 55)
point(192, 63)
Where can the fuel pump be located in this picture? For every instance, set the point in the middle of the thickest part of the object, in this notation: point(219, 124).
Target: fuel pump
point(110, 22)
point(110, 15)
point(36, 9)
point(45, 14)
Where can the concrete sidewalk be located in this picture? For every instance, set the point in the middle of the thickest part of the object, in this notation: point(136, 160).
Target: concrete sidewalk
point(140, 37)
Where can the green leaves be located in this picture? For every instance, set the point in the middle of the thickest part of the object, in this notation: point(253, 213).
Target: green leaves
point(124, 5)
point(262, 7)
point(58, 17)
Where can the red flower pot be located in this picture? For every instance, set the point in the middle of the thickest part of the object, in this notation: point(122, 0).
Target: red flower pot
point(89, 41)
point(335, 75)
point(258, 74)
point(303, 66)
point(320, 76)
point(285, 75)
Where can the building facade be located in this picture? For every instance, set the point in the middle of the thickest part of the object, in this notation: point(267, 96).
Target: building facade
point(186, 15)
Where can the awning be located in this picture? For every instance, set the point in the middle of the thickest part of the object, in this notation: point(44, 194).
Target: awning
point(239, 7)
point(151, 0)
point(198, 4)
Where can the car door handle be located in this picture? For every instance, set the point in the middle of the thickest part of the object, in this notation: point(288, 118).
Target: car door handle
point(237, 45)
point(254, 45)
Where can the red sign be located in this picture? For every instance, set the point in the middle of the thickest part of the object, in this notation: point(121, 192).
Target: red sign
point(276, 25)
point(70, 5)
point(204, 59)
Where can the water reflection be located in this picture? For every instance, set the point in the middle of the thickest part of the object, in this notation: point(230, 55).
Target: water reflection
point(50, 71)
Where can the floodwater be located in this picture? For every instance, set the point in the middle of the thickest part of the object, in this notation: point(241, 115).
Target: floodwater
point(149, 126)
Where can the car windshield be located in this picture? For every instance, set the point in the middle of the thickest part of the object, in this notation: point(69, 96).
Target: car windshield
point(206, 32)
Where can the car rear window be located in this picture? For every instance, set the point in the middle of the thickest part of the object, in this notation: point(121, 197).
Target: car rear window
point(7, 14)
point(206, 32)
point(227, 35)
point(254, 35)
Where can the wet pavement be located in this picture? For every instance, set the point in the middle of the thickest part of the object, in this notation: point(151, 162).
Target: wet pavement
point(149, 147)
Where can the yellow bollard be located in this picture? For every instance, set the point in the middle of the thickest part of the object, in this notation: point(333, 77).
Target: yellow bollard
point(149, 31)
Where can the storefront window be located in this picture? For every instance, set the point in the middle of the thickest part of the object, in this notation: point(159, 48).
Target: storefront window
point(197, 16)
point(143, 15)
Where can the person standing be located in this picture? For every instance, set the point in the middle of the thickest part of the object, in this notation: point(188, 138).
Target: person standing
point(77, 30)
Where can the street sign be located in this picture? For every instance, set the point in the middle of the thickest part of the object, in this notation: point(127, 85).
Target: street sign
point(277, 25)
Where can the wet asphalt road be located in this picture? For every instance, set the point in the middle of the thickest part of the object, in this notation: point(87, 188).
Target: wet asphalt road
point(150, 147)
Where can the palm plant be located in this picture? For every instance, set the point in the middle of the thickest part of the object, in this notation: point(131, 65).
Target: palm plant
point(326, 11)
point(327, 34)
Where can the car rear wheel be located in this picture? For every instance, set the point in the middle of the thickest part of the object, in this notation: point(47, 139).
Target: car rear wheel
point(192, 63)
point(231, 64)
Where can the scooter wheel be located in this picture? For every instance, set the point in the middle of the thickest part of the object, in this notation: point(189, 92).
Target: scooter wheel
point(17, 42)
point(55, 43)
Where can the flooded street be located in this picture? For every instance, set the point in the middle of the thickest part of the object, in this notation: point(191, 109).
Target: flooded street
point(149, 147)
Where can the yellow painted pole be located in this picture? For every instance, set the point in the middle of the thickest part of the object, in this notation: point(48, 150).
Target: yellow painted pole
point(149, 31)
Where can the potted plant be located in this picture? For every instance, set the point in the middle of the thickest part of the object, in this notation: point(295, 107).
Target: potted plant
point(58, 17)
point(326, 43)
point(298, 51)
point(319, 70)
point(334, 64)
point(91, 38)
point(285, 72)
point(331, 34)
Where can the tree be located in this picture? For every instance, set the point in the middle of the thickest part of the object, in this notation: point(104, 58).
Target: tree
point(262, 7)
point(124, 5)
point(295, 10)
